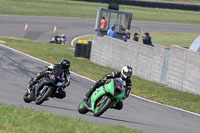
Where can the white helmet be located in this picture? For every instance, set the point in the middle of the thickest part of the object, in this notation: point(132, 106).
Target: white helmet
point(126, 72)
point(62, 35)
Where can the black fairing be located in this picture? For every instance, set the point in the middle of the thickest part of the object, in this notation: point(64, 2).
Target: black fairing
point(41, 83)
point(118, 86)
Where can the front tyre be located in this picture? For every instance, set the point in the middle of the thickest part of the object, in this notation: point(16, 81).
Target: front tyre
point(43, 94)
point(27, 98)
point(103, 107)
point(82, 109)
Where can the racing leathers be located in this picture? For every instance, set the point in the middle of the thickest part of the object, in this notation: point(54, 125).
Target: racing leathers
point(64, 74)
point(102, 82)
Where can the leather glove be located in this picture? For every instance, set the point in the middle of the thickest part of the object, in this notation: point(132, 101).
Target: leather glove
point(104, 79)
point(47, 72)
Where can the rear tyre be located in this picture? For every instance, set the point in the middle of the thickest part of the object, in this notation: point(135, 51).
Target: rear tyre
point(82, 109)
point(105, 105)
point(42, 97)
point(27, 98)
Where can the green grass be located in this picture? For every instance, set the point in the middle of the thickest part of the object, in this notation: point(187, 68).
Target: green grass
point(162, 38)
point(20, 120)
point(182, 1)
point(168, 39)
point(150, 90)
point(70, 8)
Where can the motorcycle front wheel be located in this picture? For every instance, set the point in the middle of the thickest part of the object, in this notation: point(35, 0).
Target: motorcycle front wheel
point(43, 94)
point(27, 98)
point(102, 107)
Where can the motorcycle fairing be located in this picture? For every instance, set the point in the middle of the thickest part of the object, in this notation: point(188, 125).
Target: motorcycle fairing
point(98, 93)
point(114, 88)
point(41, 83)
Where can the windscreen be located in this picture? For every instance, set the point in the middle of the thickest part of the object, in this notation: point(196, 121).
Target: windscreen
point(118, 84)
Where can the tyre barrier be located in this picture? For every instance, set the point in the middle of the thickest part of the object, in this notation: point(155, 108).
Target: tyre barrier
point(152, 4)
point(83, 50)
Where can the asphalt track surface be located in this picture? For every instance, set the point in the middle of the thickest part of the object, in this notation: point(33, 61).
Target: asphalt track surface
point(16, 70)
point(41, 28)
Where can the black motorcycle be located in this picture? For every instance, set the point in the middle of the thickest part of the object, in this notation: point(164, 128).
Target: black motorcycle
point(58, 40)
point(46, 87)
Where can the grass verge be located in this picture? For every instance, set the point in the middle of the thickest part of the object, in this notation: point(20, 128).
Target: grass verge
point(18, 120)
point(149, 90)
point(181, 1)
point(72, 8)
point(162, 38)
point(168, 39)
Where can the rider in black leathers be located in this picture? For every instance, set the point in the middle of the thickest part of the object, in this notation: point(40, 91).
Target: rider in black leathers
point(125, 75)
point(61, 70)
point(59, 39)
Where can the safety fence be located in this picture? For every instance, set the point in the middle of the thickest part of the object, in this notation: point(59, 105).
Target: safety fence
point(152, 4)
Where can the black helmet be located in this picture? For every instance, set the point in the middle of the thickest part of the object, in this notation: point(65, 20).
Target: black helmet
point(65, 64)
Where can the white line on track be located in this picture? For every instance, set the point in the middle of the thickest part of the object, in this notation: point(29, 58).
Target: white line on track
point(94, 81)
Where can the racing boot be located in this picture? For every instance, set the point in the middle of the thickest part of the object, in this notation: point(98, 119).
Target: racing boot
point(32, 82)
point(118, 106)
point(60, 93)
point(89, 93)
point(92, 89)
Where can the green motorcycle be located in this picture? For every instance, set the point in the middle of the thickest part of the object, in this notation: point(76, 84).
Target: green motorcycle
point(106, 96)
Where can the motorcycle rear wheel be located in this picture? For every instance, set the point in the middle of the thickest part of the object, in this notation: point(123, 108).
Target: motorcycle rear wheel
point(82, 109)
point(41, 98)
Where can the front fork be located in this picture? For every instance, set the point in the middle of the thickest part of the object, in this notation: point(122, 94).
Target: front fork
point(101, 101)
point(31, 93)
point(28, 89)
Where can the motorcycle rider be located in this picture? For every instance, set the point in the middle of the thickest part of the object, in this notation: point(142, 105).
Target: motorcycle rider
point(61, 70)
point(57, 39)
point(124, 74)
point(63, 39)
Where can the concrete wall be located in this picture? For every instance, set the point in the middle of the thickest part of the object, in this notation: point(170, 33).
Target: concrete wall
point(184, 70)
point(146, 60)
point(178, 67)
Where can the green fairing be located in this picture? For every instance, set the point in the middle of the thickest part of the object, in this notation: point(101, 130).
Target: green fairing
point(82, 105)
point(110, 87)
point(120, 96)
point(100, 92)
